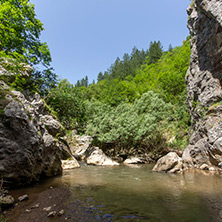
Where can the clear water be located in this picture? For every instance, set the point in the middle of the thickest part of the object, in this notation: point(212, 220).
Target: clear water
point(135, 193)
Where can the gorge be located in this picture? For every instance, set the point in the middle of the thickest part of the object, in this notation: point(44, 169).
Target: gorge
point(33, 143)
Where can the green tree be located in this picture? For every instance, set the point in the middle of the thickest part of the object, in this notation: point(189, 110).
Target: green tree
point(67, 102)
point(155, 52)
point(19, 38)
point(100, 77)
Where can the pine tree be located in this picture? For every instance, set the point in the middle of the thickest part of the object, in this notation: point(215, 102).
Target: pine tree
point(155, 52)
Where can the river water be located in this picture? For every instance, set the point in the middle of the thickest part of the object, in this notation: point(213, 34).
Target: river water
point(135, 193)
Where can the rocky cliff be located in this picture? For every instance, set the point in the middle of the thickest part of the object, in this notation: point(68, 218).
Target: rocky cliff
point(204, 79)
point(29, 148)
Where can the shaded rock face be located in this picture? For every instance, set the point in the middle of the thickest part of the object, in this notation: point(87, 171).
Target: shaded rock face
point(28, 148)
point(204, 79)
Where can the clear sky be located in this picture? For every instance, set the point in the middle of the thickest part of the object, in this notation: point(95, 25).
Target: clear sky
point(86, 36)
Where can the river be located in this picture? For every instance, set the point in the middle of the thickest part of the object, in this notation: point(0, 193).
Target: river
point(132, 193)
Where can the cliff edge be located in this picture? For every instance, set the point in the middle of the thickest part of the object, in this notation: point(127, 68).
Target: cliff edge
point(204, 79)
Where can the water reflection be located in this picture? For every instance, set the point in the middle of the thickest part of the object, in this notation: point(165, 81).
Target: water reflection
point(124, 193)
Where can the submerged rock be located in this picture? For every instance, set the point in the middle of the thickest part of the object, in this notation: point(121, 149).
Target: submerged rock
point(171, 163)
point(97, 157)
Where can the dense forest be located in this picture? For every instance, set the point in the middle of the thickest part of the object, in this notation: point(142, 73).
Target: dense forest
point(139, 102)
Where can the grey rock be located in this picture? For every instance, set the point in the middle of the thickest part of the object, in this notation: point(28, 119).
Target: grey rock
point(79, 145)
point(133, 160)
point(53, 126)
point(204, 79)
point(204, 167)
point(47, 208)
point(70, 164)
point(61, 212)
point(23, 198)
point(171, 163)
point(28, 151)
point(97, 157)
point(6, 201)
point(51, 214)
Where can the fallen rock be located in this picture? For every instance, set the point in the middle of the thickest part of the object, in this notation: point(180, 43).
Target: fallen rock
point(134, 160)
point(51, 214)
point(204, 167)
point(47, 208)
point(171, 163)
point(70, 164)
point(79, 145)
point(35, 206)
point(97, 157)
point(6, 201)
point(23, 198)
point(61, 212)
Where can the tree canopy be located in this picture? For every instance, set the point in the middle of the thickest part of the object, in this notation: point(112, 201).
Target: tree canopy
point(20, 39)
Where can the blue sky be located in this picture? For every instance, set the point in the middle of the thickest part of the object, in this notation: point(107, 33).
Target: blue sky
point(86, 36)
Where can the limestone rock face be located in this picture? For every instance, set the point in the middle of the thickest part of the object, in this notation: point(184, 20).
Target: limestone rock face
point(170, 163)
point(79, 145)
point(28, 148)
point(204, 79)
point(97, 157)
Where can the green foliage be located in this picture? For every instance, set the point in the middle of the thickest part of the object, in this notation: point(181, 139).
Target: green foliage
point(166, 77)
point(66, 101)
point(155, 52)
point(140, 124)
point(19, 39)
point(144, 109)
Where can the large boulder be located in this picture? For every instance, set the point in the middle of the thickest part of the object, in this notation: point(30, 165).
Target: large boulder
point(204, 80)
point(70, 164)
point(171, 163)
point(97, 157)
point(28, 147)
point(79, 145)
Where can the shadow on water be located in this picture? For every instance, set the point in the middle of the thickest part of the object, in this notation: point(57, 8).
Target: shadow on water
point(135, 193)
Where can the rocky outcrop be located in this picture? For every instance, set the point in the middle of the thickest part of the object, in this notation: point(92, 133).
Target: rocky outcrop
point(204, 79)
point(70, 164)
point(79, 145)
point(29, 148)
point(171, 163)
point(96, 157)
